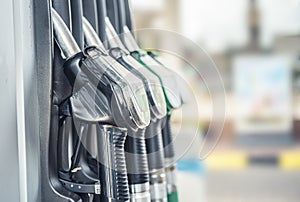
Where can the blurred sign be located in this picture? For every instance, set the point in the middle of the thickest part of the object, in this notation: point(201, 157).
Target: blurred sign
point(262, 87)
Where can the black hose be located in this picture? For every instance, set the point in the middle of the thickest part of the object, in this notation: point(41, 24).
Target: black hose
point(168, 139)
point(136, 157)
point(154, 146)
point(101, 12)
point(121, 16)
point(90, 13)
point(112, 13)
point(76, 18)
point(127, 12)
point(62, 8)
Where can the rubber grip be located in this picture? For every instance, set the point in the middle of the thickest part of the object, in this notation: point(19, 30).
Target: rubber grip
point(168, 138)
point(136, 157)
point(154, 145)
point(112, 170)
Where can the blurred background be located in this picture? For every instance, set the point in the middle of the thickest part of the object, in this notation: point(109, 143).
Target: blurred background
point(255, 45)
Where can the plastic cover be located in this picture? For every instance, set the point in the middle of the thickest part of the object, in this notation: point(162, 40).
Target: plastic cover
point(128, 98)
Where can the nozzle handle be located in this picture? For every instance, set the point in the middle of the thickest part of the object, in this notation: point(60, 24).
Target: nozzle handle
point(136, 157)
point(111, 157)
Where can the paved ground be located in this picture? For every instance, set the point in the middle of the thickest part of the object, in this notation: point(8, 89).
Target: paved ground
point(256, 184)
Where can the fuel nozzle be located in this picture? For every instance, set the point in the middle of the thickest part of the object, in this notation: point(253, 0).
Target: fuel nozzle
point(174, 98)
point(151, 83)
point(125, 95)
point(136, 159)
point(173, 101)
point(102, 97)
point(153, 138)
point(113, 174)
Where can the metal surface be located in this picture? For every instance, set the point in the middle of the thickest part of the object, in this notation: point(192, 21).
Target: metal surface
point(140, 192)
point(82, 188)
point(158, 192)
point(27, 101)
point(158, 185)
point(171, 179)
point(8, 123)
point(64, 37)
point(135, 188)
point(19, 131)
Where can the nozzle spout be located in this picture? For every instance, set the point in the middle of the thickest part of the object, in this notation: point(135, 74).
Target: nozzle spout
point(63, 36)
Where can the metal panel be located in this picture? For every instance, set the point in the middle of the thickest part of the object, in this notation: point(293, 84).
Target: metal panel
point(9, 183)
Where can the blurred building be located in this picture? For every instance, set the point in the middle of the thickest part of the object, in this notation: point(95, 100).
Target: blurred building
point(226, 30)
point(255, 45)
